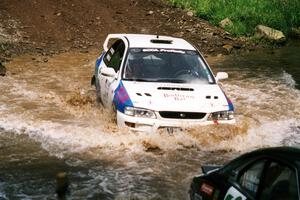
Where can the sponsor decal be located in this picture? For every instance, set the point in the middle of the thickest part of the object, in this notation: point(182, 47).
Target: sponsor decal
point(234, 194)
point(164, 50)
point(121, 98)
point(112, 51)
point(108, 57)
point(207, 189)
point(179, 97)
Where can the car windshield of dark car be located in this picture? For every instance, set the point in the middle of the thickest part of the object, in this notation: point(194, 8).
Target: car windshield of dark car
point(166, 65)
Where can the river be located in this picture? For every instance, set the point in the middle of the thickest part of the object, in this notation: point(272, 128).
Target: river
point(50, 122)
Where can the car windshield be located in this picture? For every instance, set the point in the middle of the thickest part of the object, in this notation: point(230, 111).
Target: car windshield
point(166, 65)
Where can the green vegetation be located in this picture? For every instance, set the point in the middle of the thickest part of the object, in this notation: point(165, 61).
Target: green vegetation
point(246, 14)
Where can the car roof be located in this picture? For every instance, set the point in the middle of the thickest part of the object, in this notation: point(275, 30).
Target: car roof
point(146, 41)
point(288, 154)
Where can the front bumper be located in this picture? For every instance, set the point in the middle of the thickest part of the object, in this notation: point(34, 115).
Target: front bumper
point(153, 125)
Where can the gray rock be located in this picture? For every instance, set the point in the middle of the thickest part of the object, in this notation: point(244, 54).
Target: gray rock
point(2, 70)
point(225, 22)
point(269, 33)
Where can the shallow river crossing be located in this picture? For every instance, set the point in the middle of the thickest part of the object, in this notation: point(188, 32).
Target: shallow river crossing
point(50, 122)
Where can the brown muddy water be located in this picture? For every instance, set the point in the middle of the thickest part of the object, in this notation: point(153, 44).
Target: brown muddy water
point(50, 122)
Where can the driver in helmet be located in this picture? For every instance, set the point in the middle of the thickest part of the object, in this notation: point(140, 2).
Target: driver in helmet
point(134, 69)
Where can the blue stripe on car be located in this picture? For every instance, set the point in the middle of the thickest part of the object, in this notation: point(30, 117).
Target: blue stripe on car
point(230, 104)
point(121, 98)
point(98, 61)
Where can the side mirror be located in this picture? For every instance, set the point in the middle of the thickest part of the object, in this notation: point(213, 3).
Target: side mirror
point(108, 71)
point(221, 76)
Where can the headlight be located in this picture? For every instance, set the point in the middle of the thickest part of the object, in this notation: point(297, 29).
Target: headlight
point(139, 112)
point(221, 115)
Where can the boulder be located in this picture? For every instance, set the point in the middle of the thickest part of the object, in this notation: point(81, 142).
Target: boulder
point(269, 33)
point(225, 22)
point(2, 70)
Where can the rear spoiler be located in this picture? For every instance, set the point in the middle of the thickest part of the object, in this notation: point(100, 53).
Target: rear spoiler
point(206, 169)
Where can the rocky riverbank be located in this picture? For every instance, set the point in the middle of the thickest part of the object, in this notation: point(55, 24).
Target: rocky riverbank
point(50, 27)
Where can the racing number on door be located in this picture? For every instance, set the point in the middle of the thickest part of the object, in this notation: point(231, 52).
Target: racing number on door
point(230, 197)
point(234, 194)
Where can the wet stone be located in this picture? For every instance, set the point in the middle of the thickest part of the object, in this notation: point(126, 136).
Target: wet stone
point(150, 12)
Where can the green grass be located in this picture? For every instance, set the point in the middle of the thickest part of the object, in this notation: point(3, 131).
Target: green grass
point(246, 14)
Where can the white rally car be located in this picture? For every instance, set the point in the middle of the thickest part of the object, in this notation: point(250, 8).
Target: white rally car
point(159, 82)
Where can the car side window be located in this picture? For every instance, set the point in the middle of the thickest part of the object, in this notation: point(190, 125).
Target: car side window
point(250, 177)
point(280, 183)
point(114, 55)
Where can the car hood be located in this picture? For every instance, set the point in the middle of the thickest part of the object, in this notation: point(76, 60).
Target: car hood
point(176, 97)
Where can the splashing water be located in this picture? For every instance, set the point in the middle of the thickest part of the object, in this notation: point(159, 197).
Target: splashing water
point(52, 105)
